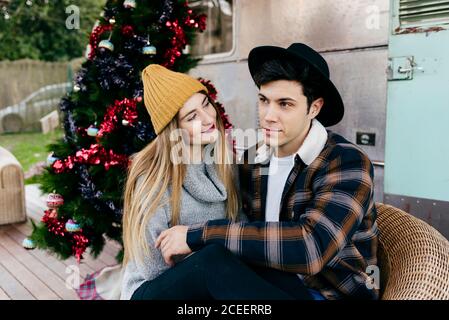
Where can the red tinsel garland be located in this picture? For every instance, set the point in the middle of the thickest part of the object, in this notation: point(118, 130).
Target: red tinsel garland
point(95, 155)
point(198, 21)
point(179, 41)
point(57, 227)
point(54, 225)
point(213, 94)
point(126, 106)
point(94, 38)
point(79, 245)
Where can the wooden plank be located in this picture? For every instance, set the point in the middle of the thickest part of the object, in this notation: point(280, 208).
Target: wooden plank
point(51, 261)
point(36, 287)
point(3, 295)
point(40, 270)
point(25, 230)
point(12, 287)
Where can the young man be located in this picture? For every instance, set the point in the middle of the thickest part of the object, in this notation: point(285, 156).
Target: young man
point(308, 192)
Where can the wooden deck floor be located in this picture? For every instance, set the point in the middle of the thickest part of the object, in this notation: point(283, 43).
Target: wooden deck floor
point(35, 274)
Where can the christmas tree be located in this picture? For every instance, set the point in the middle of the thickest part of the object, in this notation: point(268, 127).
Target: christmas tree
point(105, 122)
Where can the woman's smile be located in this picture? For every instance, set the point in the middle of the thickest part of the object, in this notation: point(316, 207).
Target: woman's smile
point(211, 129)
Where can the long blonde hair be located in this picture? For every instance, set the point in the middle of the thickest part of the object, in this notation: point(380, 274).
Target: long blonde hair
point(153, 165)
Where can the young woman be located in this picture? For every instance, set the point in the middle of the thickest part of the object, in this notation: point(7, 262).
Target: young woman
point(162, 191)
point(168, 185)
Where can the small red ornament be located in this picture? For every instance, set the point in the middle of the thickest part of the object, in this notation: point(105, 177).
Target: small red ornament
point(127, 30)
point(111, 119)
point(79, 245)
point(52, 223)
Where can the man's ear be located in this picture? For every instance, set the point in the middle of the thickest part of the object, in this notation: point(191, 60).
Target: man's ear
point(315, 107)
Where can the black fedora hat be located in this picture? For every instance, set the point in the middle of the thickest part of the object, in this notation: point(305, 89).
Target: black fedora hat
point(333, 109)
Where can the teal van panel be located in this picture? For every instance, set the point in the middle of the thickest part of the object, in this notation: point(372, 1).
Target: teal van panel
point(417, 118)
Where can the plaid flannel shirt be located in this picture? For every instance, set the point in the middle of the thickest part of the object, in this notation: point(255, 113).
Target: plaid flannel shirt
point(327, 230)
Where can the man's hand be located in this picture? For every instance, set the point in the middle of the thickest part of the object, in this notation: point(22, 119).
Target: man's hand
point(173, 242)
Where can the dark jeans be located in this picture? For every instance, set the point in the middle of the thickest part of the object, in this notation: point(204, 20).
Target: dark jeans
point(214, 273)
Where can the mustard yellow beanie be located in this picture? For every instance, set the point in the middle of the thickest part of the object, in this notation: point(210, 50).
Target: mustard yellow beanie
point(165, 92)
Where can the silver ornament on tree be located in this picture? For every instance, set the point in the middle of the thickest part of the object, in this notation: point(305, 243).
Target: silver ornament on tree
point(129, 4)
point(28, 244)
point(149, 49)
point(125, 122)
point(92, 131)
point(72, 226)
point(107, 43)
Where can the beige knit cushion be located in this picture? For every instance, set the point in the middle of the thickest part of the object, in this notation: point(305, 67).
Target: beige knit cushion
point(12, 189)
point(413, 257)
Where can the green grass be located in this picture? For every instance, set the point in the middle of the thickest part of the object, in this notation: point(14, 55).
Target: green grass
point(29, 148)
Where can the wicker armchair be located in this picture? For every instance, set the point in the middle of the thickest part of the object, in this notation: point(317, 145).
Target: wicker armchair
point(413, 257)
point(12, 189)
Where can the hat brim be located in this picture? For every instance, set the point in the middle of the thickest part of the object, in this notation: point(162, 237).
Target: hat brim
point(333, 109)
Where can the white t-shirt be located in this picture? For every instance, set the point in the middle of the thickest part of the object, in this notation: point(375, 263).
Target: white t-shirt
point(278, 174)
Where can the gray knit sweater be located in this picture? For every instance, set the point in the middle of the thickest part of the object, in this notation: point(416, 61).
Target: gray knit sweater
point(203, 198)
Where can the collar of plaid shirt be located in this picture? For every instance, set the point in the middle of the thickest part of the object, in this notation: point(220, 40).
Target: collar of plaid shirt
point(310, 149)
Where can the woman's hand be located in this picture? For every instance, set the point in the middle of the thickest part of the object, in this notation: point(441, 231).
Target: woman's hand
point(173, 242)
